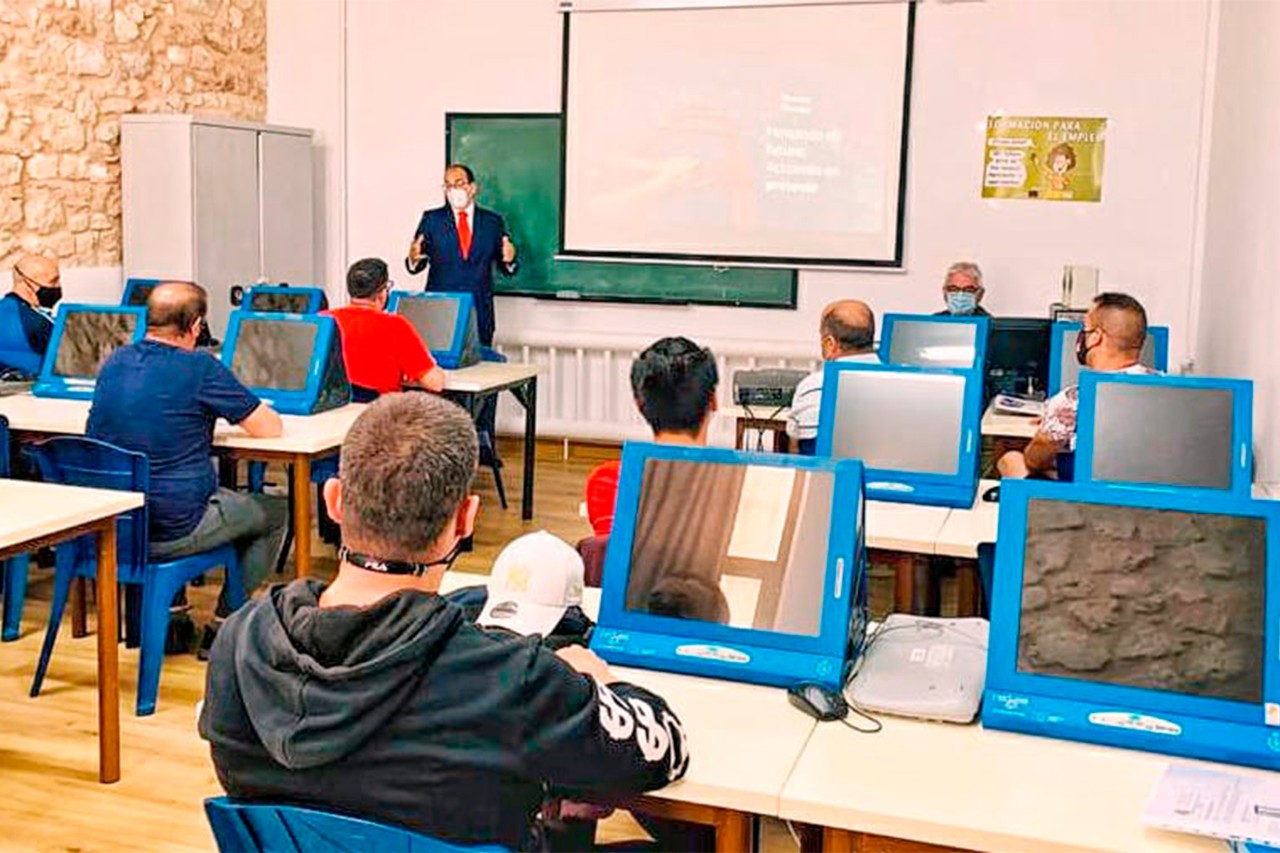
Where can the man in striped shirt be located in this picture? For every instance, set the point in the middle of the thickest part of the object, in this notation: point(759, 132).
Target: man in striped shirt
point(848, 333)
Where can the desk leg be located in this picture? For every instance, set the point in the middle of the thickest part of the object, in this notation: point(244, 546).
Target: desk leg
point(915, 585)
point(966, 588)
point(740, 433)
point(302, 514)
point(79, 627)
point(530, 447)
point(108, 657)
point(733, 831)
point(844, 841)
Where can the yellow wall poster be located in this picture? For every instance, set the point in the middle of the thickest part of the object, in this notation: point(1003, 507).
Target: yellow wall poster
point(1054, 158)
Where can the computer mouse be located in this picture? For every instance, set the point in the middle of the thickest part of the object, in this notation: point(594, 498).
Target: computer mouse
point(818, 701)
point(992, 494)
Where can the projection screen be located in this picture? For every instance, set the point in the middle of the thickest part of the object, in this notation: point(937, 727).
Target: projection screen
point(768, 134)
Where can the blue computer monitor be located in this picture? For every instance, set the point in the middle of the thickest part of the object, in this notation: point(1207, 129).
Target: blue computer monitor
point(915, 429)
point(1141, 618)
point(284, 299)
point(934, 340)
point(749, 567)
point(83, 337)
point(1178, 432)
point(446, 322)
point(136, 290)
point(292, 361)
point(1064, 370)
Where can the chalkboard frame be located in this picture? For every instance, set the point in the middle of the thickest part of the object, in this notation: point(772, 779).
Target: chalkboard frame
point(895, 263)
point(790, 302)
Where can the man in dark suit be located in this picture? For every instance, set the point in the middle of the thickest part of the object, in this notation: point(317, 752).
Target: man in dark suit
point(461, 243)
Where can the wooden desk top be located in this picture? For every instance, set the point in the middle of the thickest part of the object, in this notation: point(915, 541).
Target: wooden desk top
point(912, 528)
point(488, 376)
point(966, 787)
point(1009, 426)
point(738, 760)
point(30, 511)
point(306, 434)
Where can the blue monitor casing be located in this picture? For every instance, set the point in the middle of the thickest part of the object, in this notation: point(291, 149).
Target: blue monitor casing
point(83, 337)
point(1138, 618)
point(935, 340)
point(292, 361)
point(446, 322)
point(1175, 432)
point(1064, 370)
point(284, 299)
point(767, 550)
point(136, 290)
point(915, 429)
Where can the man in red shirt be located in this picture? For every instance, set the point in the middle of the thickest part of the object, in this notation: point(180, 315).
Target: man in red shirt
point(382, 351)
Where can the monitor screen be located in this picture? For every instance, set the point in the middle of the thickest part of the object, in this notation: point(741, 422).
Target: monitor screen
point(924, 343)
point(899, 421)
point(1070, 368)
point(138, 294)
point(1018, 355)
point(435, 319)
point(274, 354)
point(88, 337)
point(284, 303)
point(1139, 597)
point(1163, 434)
point(738, 545)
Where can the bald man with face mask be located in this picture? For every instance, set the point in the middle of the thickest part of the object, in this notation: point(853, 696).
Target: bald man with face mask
point(26, 319)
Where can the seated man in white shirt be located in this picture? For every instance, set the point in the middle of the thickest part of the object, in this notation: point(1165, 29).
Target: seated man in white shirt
point(1111, 341)
point(848, 333)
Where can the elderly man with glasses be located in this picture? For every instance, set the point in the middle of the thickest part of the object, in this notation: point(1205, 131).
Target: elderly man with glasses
point(26, 322)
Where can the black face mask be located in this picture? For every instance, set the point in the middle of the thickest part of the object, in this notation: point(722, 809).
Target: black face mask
point(47, 297)
point(1082, 348)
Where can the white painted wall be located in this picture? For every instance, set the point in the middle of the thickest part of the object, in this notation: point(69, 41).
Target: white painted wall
point(1241, 248)
point(1139, 62)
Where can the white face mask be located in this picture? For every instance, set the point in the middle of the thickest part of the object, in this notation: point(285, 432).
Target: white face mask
point(458, 198)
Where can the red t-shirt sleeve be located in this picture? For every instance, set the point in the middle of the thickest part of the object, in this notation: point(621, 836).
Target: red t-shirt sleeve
point(414, 358)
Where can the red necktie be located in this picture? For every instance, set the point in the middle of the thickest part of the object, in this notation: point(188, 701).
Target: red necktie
point(464, 234)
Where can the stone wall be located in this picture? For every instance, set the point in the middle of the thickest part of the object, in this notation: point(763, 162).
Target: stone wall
point(70, 68)
point(1148, 598)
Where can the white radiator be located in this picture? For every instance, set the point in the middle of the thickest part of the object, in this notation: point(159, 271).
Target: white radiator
point(584, 389)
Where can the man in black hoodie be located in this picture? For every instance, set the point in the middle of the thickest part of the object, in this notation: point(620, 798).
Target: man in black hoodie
point(375, 697)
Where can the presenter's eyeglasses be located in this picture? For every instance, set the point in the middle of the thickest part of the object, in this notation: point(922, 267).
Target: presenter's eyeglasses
point(459, 184)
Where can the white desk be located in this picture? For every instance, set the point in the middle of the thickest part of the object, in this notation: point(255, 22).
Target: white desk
point(305, 437)
point(1008, 426)
point(967, 788)
point(471, 386)
point(907, 528)
point(743, 742)
point(33, 515)
point(966, 529)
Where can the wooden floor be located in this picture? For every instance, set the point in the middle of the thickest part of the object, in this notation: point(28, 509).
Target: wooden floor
point(49, 796)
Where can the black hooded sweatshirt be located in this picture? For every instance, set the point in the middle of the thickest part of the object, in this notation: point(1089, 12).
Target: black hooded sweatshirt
point(406, 713)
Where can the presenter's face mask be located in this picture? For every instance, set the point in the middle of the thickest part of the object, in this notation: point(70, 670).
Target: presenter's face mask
point(458, 197)
point(961, 301)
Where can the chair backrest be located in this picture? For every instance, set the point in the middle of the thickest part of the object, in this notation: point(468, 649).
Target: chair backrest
point(4, 446)
point(593, 551)
point(602, 494)
point(270, 828)
point(75, 461)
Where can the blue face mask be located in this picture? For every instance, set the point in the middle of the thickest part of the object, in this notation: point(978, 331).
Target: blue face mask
point(961, 301)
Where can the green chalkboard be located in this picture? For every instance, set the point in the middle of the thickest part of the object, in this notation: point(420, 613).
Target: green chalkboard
point(516, 159)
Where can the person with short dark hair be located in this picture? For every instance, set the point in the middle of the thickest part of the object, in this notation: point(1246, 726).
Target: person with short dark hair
point(26, 326)
point(383, 352)
point(674, 385)
point(462, 243)
point(374, 696)
point(161, 397)
point(1111, 342)
point(846, 332)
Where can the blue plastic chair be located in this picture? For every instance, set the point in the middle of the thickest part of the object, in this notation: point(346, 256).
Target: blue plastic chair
point(267, 828)
point(96, 464)
point(14, 570)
